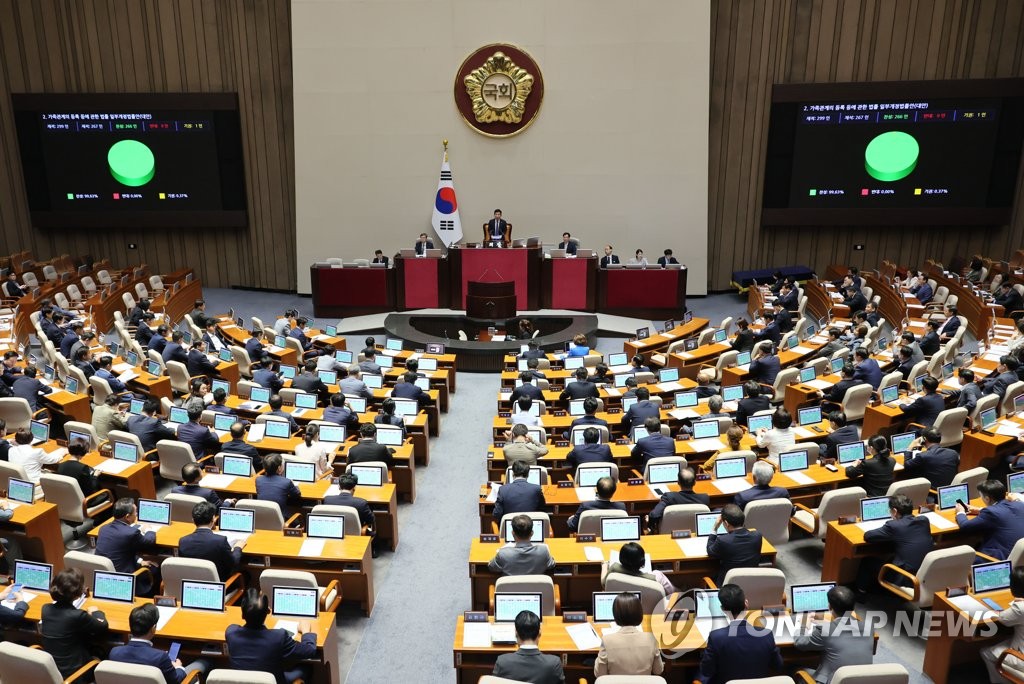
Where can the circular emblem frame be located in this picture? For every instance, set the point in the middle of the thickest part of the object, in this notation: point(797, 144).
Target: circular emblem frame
point(499, 90)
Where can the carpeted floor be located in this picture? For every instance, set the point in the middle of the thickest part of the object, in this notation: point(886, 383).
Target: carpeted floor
point(424, 586)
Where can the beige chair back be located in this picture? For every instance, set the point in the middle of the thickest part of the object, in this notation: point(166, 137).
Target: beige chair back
point(590, 521)
point(23, 664)
point(100, 390)
point(916, 488)
point(178, 372)
point(182, 505)
point(78, 426)
point(950, 424)
point(943, 568)
point(353, 528)
point(271, 578)
point(836, 503)
point(681, 517)
point(66, 494)
point(871, 674)
point(268, 514)
point(9, 470)
point(770, 517)
point(651, 591)
point(87, 564)
point(241, 357)
point(785, 378)
point(542, 584)
point(856, 401)
point(223, 676)
point(174, 570)
point(972, 478)
point(761, 586)
point(173, 455)
point(111, 672)
point(16, 412)
point(983, 404)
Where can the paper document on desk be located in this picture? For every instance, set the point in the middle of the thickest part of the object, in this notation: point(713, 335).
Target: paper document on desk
point(586, 493)
point(217, 481)
point(594, 554)
point(584, 636)
point(693, 546)
point(973, 607)
point(939, 521)
point(274, 349)
point(1008, 428)
point(504, 396)
point(498, 338)
point(492, 496)
point(818, 384)
point(113, 466)
point(671, 387)
point(800, 349)
point(730, 406)
point(476, 635)
point(60, 452)
point(669, 336)
point(389, 352)
point(333, 490)
point(128, 375)
point(290, 626)
point(805, 433)
point(613, 391)
point(702, 445)
point(312, 547)
point(26, 596)
point(121, 367)
point(685, 355)
point(705, 626)
point(732, 485)
point(990, 356)
point(166, 613)
point(684, 414)
point(256, 432)
point(800, 478)
point(871, 524)
point(950, 384)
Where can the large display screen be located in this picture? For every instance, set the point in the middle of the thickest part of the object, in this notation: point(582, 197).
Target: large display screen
point(132, 160)
point(940, 152)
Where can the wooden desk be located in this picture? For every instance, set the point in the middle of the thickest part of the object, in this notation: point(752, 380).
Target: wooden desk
point(37, 528)
point(651, 292)
point(136, 481)
point(73, 406)
point(947, 646)
point(659, 344)
point(347, 560)
point(577, 577)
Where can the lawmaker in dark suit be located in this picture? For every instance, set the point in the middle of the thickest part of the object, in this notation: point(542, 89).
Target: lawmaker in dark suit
point(685, 495)
point(745, 338)
point(604, 491)
point(410, 390)
point(191, 473)
point(855, 300)
point(581, 388)
point(26, 387)
point(788, 298)
point(937, 463)
point(1007, 375)
point(837, 393)
point(639, 412)
point(367, 449)
point(609, 257)
point(875, 472)
point(844, 640)
point(347, 485)
point(533, 351)
point(254, 647)
point(423, 244)
point(199, 363)
point(567, 244)
point(519, 495)
point(207, 545)
point(738, 547)
point(528, 664)
point(909, 536)
point(590, 451)
point(273, 486)
point(148, 428)
point(174, 351)
point(770, 331)
point(752, 402)
point(497, 229)
point(866, 368)
point(299, 333)
point(926, 408)
point(142, 622)
point(68, 632)
point(309, 381)
point(1000, 521)
point(930, 343)
point(738, 650)
point(833, 345)
point(949, 326)
point(238, 445)
point(158, 342)
point(762, 488)
point(654, 444)
point(122, 543)
point(379, 258)
point(254, 347)
point(765, 368)
point(783, 318)
point(1009, 298)
point(269, 377)
point(841, 433)
point(201, 438)
point(527, 389)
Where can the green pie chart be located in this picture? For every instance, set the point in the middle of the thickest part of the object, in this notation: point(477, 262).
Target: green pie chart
point(131, 163)
point(891, 156)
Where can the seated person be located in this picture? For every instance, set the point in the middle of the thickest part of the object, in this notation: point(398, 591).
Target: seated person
point(312, 450)
point(340, 412)
point(123, 543)
point(843, 640)
point(753, 401)
point(655, 444)
point(937, 463)
point(604, 491)
point(738, 650)
point(837, 393)
point(202, 439)
point(521, 446)
point(139, 650)
point(876, 471)
point(580, 388)
point(347, 483)
point(205, 544)
point(386, 416)
point(367, 448)
point(734, 438)
point(927, 407)
point(238, 445)
point(520, 495)
point(591, 451)
point(80, 472)
point(1000, 521)
point(524, 557)
point(638, 366)
point(632, 559)
point(766, 366)
point(273, 486)
point(1011, 616)
point(579, 346)
point(841, 433)
point(738, 547)
point(762, 489)
point(706, 387)
point(30, 458)
point(191, 474)
point(685, 495)
point(276, 403)
point(780, 438)
point(410, 390)
point(908, 535)
point(269, 376)
point(528, 664)
point(69, 632)
point(639, 412)
point(254, 647)
point(148, 428)
point(522, 415)
point(527, 388)
point(745, 338)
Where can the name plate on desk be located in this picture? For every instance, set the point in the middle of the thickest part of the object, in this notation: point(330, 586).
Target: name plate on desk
point(574, 616)
point(681, 534)
point(703, 476)
point(292, 532)
point(614, 409)
point(499, 445)
point(504, 414)
point(634, 481)
point(488, 539)
point(566, 484)
point(165, 602)
point(561, 442)
point(212, 469)
point(622, 440)
point(847, 520)
point(586, 538)
point(475, 616)
point(559, 414)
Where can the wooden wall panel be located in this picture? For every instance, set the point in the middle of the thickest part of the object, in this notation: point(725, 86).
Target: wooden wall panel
point(157, 46)
point(756, 43)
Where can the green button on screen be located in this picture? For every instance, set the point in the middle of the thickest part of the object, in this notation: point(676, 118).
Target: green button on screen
point(891, 156)
point(131, 163)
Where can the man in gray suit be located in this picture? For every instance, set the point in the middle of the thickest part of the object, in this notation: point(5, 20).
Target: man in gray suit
point(525, 558)
point(528, 664)
point(352, 385)
point(843, 641)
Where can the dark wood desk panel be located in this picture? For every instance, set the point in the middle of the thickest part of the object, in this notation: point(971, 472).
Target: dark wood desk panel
point(569, 284)
point(421, 282)
point(339, 292)
point(518, 264)
point(650, 292)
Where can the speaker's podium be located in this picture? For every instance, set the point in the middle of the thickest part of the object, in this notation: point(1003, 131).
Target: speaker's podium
point(490, 301)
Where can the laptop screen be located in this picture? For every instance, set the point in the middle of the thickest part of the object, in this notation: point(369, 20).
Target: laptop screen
point(153, 511)
point(305, 400)
point(21, 490)
point(620, 529)
point(135, 407)
point(343, 356)
point(393, 344)
point(295, 602)
point(154, 368)
point(755, 423)
point(588, 477)
point(430, 365)
point(409, 407)
point(947, 371)
point(260, 395)
point(730, 467)
point(639, 432)
point(537, 434)
point(628, 403)
point(792, 342)
point(277, 428)
point(83, 437)
point(602, 602)
point(576, 407)
point(423, 384)
point(239, 466)
point(224, 421)
point(686, 399)
point(368, 476)
point(874, 508)
point(719, 336)
point(573, 362)
point(40, 431)
point(357, 404)
point(331, 330)
point(643, 333)
point(706, 523)
point(507, 605)
point(705, 429)
point(533, 476)
point(732, 393)
point(618, 359)
point(620, 380)
point(384, 361)
point(668, 375)
point(850, 452)
point(199, 595)
point(220, 384)
point(793, 460)
point(132, 358)
point(71, 385)
point(300, 472)
point(836, 365)
point(707, 604)
point(225, 355)
point(990, 576)
point(237, 520)
point(33, 575)
point(807, 374)
point(334, 434)
point(662, 473)
point(113, 586)
point(373, 381)
point(890, 393)
point(389, 437)
point(324, 526)
point(809, 598)
point(178, 416)
point(288, 372)
point(687, 317)
point(328, 377)
point(743, 358)
point(1014, 483)
point(902, 441)
point(810, 415)
point(988, 418)
point(537, 536)
point(280, 341)
point(948, 495)
point(126, 451)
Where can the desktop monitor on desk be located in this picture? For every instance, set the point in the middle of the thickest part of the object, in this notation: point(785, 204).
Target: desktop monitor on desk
point(368, 476)
point(589, 476)
point(602, 602)
point(298, 602)
point(113, 586)
point(507, 605)
point(198, 595)
point(620, 529)
point(537, 536)
point(810, 598)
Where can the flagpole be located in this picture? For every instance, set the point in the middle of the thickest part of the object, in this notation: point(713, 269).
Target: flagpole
point(445, 143)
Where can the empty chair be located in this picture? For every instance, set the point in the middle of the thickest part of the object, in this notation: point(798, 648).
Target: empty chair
point(30, 280)
point(17, 413)
point(940, 569)
point(1012, 392)
point(174, 570)
point(725, 360)
point(786, 377)
point(915, 488)
point(950, 424)
point(329, 596)
point(100, 390)
point(156, 283)
point(550, 602)
point(761, 586)
point(682, 517)
point(836, 503)
point(972, 478)
point(590, 521)
point(23, 664)
point(651, 591)
point(181, 383)
point(241, 357)
point(770, 517)
point(73, 507)
point(856, 401)
point(121, 436)
point(89, 563)
point(89, 284)
point(141, 291)
point(983, 404)
point(173, 455)
point(104, 277)
point(353, 528)
point(726, 324)
point(182, 505)
point(224, 676)
point(129, 301)
point(268, 514)
point(74, 294)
